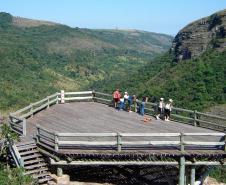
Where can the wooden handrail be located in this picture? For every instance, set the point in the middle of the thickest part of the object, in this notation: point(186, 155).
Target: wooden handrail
point(204, 134)
point(63, 140)
point(87, 134)
point(211, 115)
point(32, 109)
point(192, 118)
point(78, 93)
point(16, 155)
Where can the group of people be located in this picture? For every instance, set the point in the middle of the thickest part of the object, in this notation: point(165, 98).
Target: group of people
point(164, 109)
point(127, 102)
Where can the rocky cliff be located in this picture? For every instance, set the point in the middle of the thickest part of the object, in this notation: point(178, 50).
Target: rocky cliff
point(197, 37)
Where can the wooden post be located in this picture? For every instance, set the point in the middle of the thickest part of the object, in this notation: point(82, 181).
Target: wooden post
point(62, 96)
point(225, 143)
point(48, 102)
point(94, 95)
point(182, 142)
point(37, 135)
point(119, 142)
point(195, 118)
point(24, 127)
point(56, 142)
point(31, 110)
point(57, 102)
point(59, 172)
point(192, 175)
point(182, 171)
point(21, 161)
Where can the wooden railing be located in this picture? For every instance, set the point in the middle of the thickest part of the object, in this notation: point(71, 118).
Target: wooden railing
point(55, 141)
point(17, 119)
point(76, 96)
point(191, 117)
point(16, 155)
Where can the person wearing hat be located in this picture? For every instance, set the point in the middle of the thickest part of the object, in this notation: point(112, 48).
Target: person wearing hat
point(126, 101)
point(168, 109)
point(161, 106)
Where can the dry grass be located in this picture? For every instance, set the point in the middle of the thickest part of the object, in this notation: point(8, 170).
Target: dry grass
point(23, 22)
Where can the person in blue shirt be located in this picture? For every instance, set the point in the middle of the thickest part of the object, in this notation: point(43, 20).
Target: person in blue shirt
point(142, 105)
point(130, 102)
point(121, 104)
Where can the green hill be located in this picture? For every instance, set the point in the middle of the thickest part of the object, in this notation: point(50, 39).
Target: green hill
point(39, 57)
point(195, 78)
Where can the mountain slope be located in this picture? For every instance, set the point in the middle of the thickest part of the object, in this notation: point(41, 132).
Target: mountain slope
point(38, 58)
point(198, 83)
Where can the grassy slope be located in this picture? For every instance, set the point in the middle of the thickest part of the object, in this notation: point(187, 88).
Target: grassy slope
point(37, 61)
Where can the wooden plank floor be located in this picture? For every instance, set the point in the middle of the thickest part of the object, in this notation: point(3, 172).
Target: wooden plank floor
point(82, 117)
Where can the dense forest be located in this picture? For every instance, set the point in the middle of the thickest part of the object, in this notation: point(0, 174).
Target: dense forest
point(195, 84)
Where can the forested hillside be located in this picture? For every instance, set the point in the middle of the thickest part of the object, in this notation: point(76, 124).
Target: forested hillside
point(38, 58)
point(194, 82)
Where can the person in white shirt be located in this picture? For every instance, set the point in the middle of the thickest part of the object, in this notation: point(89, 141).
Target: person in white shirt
point(121, 103)
point(126, 96)
point(126, 101)
point(168, 109)
point(161, 106)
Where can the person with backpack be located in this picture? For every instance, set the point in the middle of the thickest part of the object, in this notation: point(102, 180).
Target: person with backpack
point(161, 106)
point(168, 109)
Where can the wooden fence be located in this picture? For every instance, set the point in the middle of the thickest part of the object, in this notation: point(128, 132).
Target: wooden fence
point(193, 117)
point(55, 141)
point(16, 155)
point(17, 119)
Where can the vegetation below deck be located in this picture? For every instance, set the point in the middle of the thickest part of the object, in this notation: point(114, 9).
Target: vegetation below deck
point(13, 176)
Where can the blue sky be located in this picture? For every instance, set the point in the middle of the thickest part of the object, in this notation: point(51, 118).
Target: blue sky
point(163, 16)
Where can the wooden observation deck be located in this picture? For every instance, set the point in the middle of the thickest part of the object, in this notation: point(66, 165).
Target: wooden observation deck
point(82, 128)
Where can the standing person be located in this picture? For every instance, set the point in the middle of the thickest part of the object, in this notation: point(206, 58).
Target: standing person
point(161, 106)
point(142, 105)
point(116, 97)
point(126, 101)
point(138, 105)
point(130, 102)
point(134, 102)
point(168, 109)
point(121, 104)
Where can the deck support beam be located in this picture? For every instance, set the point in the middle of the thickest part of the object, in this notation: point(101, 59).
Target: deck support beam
point(59, 172)
point(182, 171)
point(192, 175)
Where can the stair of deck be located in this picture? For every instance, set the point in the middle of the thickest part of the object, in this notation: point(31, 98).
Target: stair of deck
point(34, 163)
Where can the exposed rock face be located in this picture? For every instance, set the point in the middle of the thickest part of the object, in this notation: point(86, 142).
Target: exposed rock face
point(197, 37)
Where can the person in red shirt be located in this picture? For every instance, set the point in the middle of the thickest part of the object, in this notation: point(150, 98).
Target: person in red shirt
point(116, 97)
